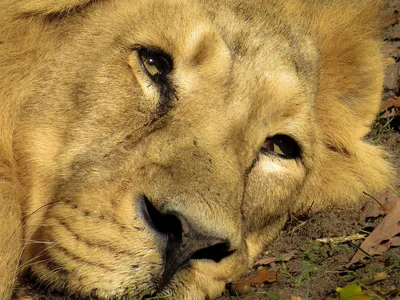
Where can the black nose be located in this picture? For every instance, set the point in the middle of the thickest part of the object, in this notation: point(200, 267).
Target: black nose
point(183, 241)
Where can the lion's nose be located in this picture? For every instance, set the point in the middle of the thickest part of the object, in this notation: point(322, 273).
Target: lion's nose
point(182, 241)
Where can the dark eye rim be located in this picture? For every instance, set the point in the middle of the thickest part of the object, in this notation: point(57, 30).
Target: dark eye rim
point(151, 51)
point(296, 153)
point(164, 83)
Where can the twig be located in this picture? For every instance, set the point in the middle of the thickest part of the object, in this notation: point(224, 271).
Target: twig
point(297, 227)
point(342, 239)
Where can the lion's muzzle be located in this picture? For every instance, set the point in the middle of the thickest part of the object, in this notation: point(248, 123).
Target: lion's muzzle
point(180, 241)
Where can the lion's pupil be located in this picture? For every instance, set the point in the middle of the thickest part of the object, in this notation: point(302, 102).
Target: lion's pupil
point(156, 65)
point(152, 67)
point(281, 145)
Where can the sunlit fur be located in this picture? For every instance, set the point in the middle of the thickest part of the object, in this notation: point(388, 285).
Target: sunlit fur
point(81, 139)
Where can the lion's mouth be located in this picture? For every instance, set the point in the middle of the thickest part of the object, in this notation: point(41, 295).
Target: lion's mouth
point(29, 286)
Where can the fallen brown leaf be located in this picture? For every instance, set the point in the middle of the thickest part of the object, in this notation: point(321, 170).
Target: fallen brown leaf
point(283, 257)
point(378, 204)
point(265, 261)
point(380, 240)
point(390, 50)
point(390, 103)
point(242, 287)
point(395, 241)
point(390, 108)
point(262, 277)
point(287, 256)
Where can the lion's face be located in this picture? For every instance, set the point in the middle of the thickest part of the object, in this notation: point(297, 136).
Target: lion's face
point(162, 145)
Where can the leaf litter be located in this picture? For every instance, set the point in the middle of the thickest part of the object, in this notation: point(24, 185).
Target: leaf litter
point(384, 236)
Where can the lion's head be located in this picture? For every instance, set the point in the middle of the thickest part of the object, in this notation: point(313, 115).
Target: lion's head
point(158, 145)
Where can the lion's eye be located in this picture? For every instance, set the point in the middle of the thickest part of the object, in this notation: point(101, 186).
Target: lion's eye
point(156, 64)
point(281, 145)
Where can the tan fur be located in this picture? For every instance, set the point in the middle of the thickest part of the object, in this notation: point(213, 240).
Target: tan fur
point(81, 139)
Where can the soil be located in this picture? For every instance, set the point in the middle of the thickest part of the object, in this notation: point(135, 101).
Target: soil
point(317, 269)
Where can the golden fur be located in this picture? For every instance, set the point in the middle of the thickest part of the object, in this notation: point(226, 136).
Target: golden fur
point(84, 138)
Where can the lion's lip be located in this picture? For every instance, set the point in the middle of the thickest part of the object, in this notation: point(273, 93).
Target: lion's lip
point(30, 286)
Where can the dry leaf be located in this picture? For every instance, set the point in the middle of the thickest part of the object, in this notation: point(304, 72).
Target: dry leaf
point(263, 276)
point(287, 256)
point(390, 103)
point(283, 257)
point(243, 287)
point(390, 50)
point(378, 205)
point(390, 108)
point(378, 277)
point(264, 261)
point(380, 240)
point(395, 241)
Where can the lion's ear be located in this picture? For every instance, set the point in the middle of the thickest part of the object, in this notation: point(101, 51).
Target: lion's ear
point(349, 95)
point(49, 7)
point(347, 34)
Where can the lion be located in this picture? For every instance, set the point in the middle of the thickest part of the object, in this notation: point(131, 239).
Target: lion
point(154, 148)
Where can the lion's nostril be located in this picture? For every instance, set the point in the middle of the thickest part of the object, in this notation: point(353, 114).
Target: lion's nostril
point(166, 224)
point(183, 241)
point(215, 252)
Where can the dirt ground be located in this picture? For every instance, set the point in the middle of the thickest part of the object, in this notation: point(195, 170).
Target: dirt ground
point(316, 270)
